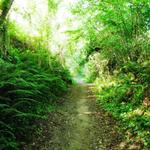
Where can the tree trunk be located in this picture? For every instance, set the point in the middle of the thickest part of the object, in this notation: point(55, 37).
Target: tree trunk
point(5, 7)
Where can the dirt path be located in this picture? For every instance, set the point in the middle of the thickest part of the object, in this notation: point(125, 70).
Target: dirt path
point(79, 125)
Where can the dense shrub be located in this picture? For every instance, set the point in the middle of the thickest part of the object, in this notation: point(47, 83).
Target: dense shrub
point(27, 89)
point(127, 98)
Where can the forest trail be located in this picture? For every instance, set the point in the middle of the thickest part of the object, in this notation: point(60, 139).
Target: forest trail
point(80, 125)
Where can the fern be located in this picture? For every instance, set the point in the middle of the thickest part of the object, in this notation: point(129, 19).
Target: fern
point(6, 126)
point(26, 90)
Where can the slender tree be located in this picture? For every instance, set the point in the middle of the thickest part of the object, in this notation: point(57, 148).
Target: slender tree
point(4, 7)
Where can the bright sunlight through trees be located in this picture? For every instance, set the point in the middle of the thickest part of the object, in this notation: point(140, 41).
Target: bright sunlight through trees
point(74, 74)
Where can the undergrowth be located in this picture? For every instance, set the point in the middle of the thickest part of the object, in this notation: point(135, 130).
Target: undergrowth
point(126, 96)
point(29, 87)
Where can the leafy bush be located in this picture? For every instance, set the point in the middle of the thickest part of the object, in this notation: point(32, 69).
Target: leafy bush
point(128, 100)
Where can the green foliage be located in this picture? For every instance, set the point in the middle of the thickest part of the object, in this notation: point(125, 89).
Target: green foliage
point(127, 98)
point(117, 59)
point(118, 32)
point(30, 83)
point(25, 86)
point(110, 46)
point(52, 5)
point(31, 79)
